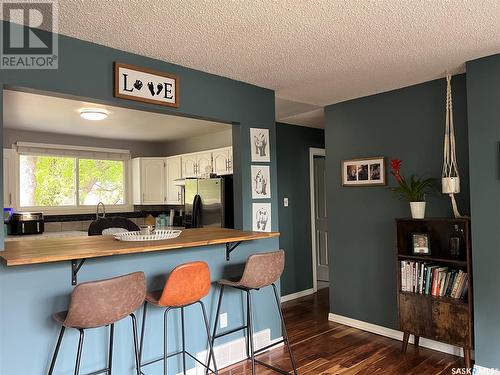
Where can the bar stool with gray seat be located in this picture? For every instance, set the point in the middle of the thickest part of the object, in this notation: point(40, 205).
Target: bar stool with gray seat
point(186, 285)
point(101, 303)
point(261, 270)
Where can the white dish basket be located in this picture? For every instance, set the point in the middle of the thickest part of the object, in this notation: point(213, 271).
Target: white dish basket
point(157, 235)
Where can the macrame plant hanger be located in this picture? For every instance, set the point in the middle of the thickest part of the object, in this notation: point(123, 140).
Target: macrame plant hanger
point(450, 177)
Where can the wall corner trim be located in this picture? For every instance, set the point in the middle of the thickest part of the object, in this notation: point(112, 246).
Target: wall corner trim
point(394, 334)
point(302, 293)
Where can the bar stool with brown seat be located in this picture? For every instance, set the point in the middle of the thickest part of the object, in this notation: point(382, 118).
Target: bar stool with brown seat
point(186, 285)
point(101, 303)
point(261, 270)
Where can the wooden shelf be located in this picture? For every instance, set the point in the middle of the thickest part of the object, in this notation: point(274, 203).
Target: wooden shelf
point(425, 258)
point(443, 319)
point(445, 299)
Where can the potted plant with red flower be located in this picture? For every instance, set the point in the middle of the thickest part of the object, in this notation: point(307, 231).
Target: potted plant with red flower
point(413, 190)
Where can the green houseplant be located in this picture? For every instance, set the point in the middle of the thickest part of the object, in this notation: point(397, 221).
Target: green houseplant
point(413, 189)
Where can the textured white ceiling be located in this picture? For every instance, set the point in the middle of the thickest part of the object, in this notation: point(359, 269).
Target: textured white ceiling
point(57, 115)
point(316, 52)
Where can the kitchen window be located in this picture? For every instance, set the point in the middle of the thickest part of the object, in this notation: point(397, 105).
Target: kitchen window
point(54, 178)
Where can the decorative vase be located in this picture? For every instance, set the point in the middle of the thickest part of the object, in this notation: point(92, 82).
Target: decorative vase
point(417, 210)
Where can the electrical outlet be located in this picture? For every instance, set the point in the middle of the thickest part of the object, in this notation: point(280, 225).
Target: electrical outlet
point(285, 202)
point(223, 320)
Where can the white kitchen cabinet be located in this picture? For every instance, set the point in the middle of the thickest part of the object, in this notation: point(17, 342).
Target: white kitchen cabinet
point(189, 166)
point(173, 171)
point(197, 164)
point(223, 161)
point(148, 181)
point(9, 177)
point(204, 163)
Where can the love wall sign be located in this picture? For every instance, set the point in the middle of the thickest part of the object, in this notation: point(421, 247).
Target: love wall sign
point(145, 85)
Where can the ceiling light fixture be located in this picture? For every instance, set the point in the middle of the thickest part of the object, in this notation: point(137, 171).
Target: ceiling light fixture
point(93, 114)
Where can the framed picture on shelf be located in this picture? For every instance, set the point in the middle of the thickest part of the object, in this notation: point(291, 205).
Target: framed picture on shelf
point(364, 172)
point(259, 141)
point(420, 244)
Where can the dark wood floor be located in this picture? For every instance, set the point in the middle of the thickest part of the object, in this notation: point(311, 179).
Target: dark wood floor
point(323, 347)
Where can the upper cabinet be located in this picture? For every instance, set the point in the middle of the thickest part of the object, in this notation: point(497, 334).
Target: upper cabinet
point(204, 162)
point(148, 181)
point(154, 178)
point(196, 165)
point(223, 161)
point(173, 172)
point(8, 177)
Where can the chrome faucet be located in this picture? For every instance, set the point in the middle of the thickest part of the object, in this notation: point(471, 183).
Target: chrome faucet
point(97, 216)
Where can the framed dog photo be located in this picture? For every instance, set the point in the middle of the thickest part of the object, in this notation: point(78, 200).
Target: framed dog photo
point(261, 182)
point(261, 221)
point(420, 243)
point(364, 172)
point(259, 141)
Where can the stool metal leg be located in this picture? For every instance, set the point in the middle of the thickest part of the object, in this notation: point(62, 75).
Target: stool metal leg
point(210, 342)
point(183, 342)
point(285, 333)
point(79, 353)
point(165, 336)
point(56, 351)
point(110, 352)
point(143, 329)
point(250, 329)
point(219, 303)
point(136, 344)
point(247, 334)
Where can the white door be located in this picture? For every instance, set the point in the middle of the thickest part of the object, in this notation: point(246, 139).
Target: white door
point(8, 177)
point(173, 171)
point(153, 180)
point(320, 219)
point(189, 166)
point(222, 161)
point(204, 163)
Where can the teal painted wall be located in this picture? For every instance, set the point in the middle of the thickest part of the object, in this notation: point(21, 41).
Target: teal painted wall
point(407, 124)
point(483, 106)
point(30, 294)
point(292, 145)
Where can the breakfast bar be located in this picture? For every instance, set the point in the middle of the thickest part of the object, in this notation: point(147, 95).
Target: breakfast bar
point(35, 275)
point(78, 249)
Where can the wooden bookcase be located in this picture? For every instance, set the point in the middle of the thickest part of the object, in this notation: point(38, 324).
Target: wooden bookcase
point(443, 319)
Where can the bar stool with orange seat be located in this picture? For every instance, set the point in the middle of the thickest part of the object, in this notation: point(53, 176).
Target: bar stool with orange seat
point(186, 285)
point(98, 304)
point(261, 270)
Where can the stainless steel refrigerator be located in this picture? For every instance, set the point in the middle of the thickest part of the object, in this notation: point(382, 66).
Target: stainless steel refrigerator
point(209, 203)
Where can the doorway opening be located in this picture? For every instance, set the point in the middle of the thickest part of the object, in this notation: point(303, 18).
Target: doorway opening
point(319, 227)
point(67, 156)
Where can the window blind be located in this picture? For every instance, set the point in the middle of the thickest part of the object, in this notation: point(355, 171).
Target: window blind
point(28, 148)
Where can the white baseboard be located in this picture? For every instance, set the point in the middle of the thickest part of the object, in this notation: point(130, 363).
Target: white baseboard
point(394, 334)
point(292, 296)
point(232, 352)
point(480, 370)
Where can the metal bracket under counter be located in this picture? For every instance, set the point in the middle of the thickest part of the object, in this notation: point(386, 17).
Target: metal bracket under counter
point(75, 267)
point(230, 246)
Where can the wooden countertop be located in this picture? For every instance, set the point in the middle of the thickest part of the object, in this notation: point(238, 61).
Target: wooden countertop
point(35, 251)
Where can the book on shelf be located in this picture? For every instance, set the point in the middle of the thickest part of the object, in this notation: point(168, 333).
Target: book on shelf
point(433, 279)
